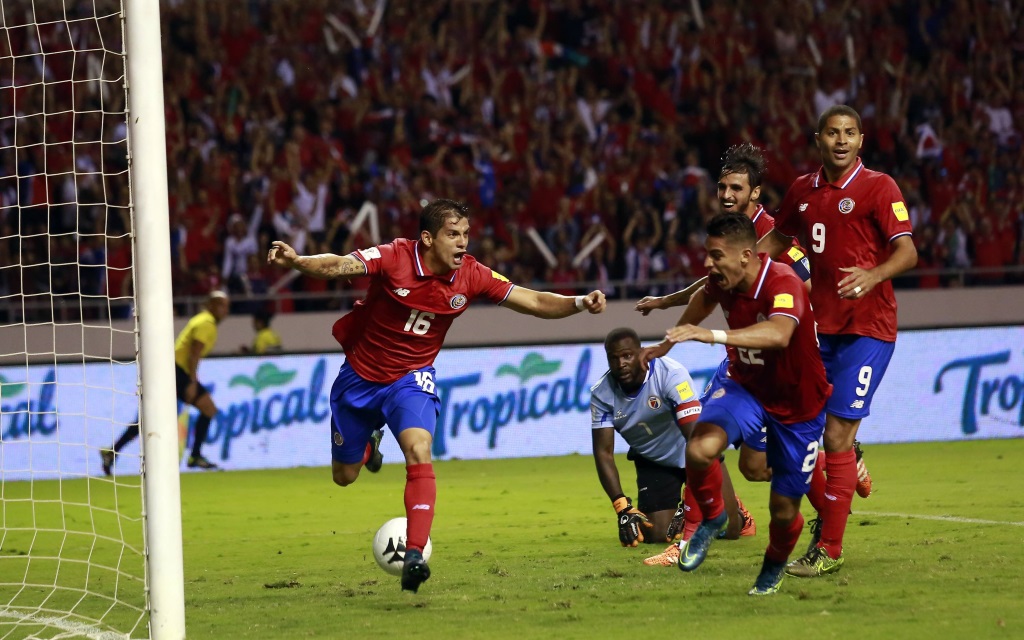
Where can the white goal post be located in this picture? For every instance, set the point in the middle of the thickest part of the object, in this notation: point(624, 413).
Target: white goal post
point(87, 549)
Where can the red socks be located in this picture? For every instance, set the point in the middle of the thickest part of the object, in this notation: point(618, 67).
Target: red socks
point(840, 485)
point(782, 540)
point(692, 517)
point(420, 495)
point(367, 453)
point(706, 485)
point(816, 494)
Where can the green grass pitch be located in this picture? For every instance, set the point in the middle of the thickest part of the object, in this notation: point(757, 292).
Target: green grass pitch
point(527, 548)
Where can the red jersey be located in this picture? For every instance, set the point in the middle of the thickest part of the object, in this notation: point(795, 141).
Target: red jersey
point(763, 225)
point(790, 383)
point(401, 323)
point(847, 224)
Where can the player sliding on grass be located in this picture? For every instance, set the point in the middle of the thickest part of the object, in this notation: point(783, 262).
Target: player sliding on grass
point(417, 289)
point(654, 411)
point(775, 378)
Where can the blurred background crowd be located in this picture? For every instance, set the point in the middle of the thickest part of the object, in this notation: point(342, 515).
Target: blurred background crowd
point(569, 126)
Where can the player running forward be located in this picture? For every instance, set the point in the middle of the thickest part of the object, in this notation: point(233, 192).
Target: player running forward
point(857, 228)
point(654, 412)
point(417, 289)
point(775, 378)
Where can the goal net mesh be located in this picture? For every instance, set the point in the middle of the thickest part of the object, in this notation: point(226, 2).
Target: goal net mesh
point(71, 537)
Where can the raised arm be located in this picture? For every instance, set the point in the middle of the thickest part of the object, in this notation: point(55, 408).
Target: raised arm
point(697, 310)
point(648, 303)
point(773, 333)
point(324, 265)
point(550, 306)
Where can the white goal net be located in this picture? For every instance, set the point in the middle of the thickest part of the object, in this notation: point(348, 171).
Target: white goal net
point(73, 544)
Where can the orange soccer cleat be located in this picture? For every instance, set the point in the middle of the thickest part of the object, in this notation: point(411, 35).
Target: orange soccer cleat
point(863, 477)
point(749, 526)
point(666, 558)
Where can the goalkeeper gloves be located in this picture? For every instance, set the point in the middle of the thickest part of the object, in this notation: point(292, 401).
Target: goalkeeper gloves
point(675, 526)
point(632, 523)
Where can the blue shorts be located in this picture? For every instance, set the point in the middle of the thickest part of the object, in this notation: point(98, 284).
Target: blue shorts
point(359, 406)
point(792, 449)
point(855, 366)
point(742, 426)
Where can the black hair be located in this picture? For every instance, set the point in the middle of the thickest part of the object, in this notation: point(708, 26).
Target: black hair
point(735, 227)
point(838, 110)
point(619, 334)
point(744, 158)
point(435, 214)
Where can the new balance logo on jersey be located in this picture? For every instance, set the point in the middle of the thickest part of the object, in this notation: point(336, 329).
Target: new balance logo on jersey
point(803, 206)
point(421, 507)
point(857, 404)
point(830, 497)
point(401, 292)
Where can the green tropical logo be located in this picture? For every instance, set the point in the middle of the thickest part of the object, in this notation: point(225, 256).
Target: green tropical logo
point(10, 389)
point(268, 375)
point(533, 365)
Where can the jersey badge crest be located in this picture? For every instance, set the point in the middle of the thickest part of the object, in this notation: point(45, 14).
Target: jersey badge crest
point(718, 394)
point(846, 205)
point(338, 440)
point(654, 402)
point(458, 301)
point(900, 211)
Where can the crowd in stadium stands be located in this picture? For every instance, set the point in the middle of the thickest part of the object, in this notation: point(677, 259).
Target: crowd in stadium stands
point(569, 123)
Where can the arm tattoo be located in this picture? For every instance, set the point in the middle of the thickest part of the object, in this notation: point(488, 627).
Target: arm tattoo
point(328, 265)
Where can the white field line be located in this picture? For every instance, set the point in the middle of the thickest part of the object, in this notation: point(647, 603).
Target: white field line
point(882, 514)
point(80, 629)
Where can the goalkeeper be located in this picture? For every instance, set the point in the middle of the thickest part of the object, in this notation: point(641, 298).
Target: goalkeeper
point(654, 410)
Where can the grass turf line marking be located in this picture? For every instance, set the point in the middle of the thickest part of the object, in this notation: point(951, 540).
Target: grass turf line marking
point(80, 629)
point(882, 514)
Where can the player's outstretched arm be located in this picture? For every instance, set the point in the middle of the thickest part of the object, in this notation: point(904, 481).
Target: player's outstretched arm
point(773, 333)
point(324, 265)
point(774, 243)
point(677, 299)
point(697, 310)
point(861, 281)
point(550, 306)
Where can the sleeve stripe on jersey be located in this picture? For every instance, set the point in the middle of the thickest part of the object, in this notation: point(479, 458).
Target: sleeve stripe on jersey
point(687, 412)
point(507, 294)
point(788, 315)
point(355, 254)
point(904, 233)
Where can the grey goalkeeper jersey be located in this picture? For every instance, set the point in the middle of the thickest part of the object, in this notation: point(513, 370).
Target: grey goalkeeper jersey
point(649, 421)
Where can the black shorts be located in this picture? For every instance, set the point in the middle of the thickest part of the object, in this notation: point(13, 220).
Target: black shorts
point(181, 382)
point(658, 487)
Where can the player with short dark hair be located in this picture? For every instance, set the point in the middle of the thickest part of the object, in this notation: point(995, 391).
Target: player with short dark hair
point(194, 342)
point(391, 338)
point(775, 378)
point(857, 227)
point(654, 410)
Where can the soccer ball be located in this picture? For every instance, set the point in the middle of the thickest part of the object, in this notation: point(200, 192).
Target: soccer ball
point(389, 546)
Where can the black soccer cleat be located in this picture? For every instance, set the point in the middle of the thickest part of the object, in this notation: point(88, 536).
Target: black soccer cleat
point(107, 455)
point(376, 457)
point(199, 462)
point(415, 571)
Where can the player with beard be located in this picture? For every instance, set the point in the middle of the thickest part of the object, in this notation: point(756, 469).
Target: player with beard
point(391, 338)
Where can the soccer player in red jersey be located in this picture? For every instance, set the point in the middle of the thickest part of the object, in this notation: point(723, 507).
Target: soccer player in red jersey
point(857, 227)
point(417, 289)
point(776, 378)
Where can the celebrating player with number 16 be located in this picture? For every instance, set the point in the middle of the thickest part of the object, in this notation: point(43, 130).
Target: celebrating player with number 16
point(418, 288)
